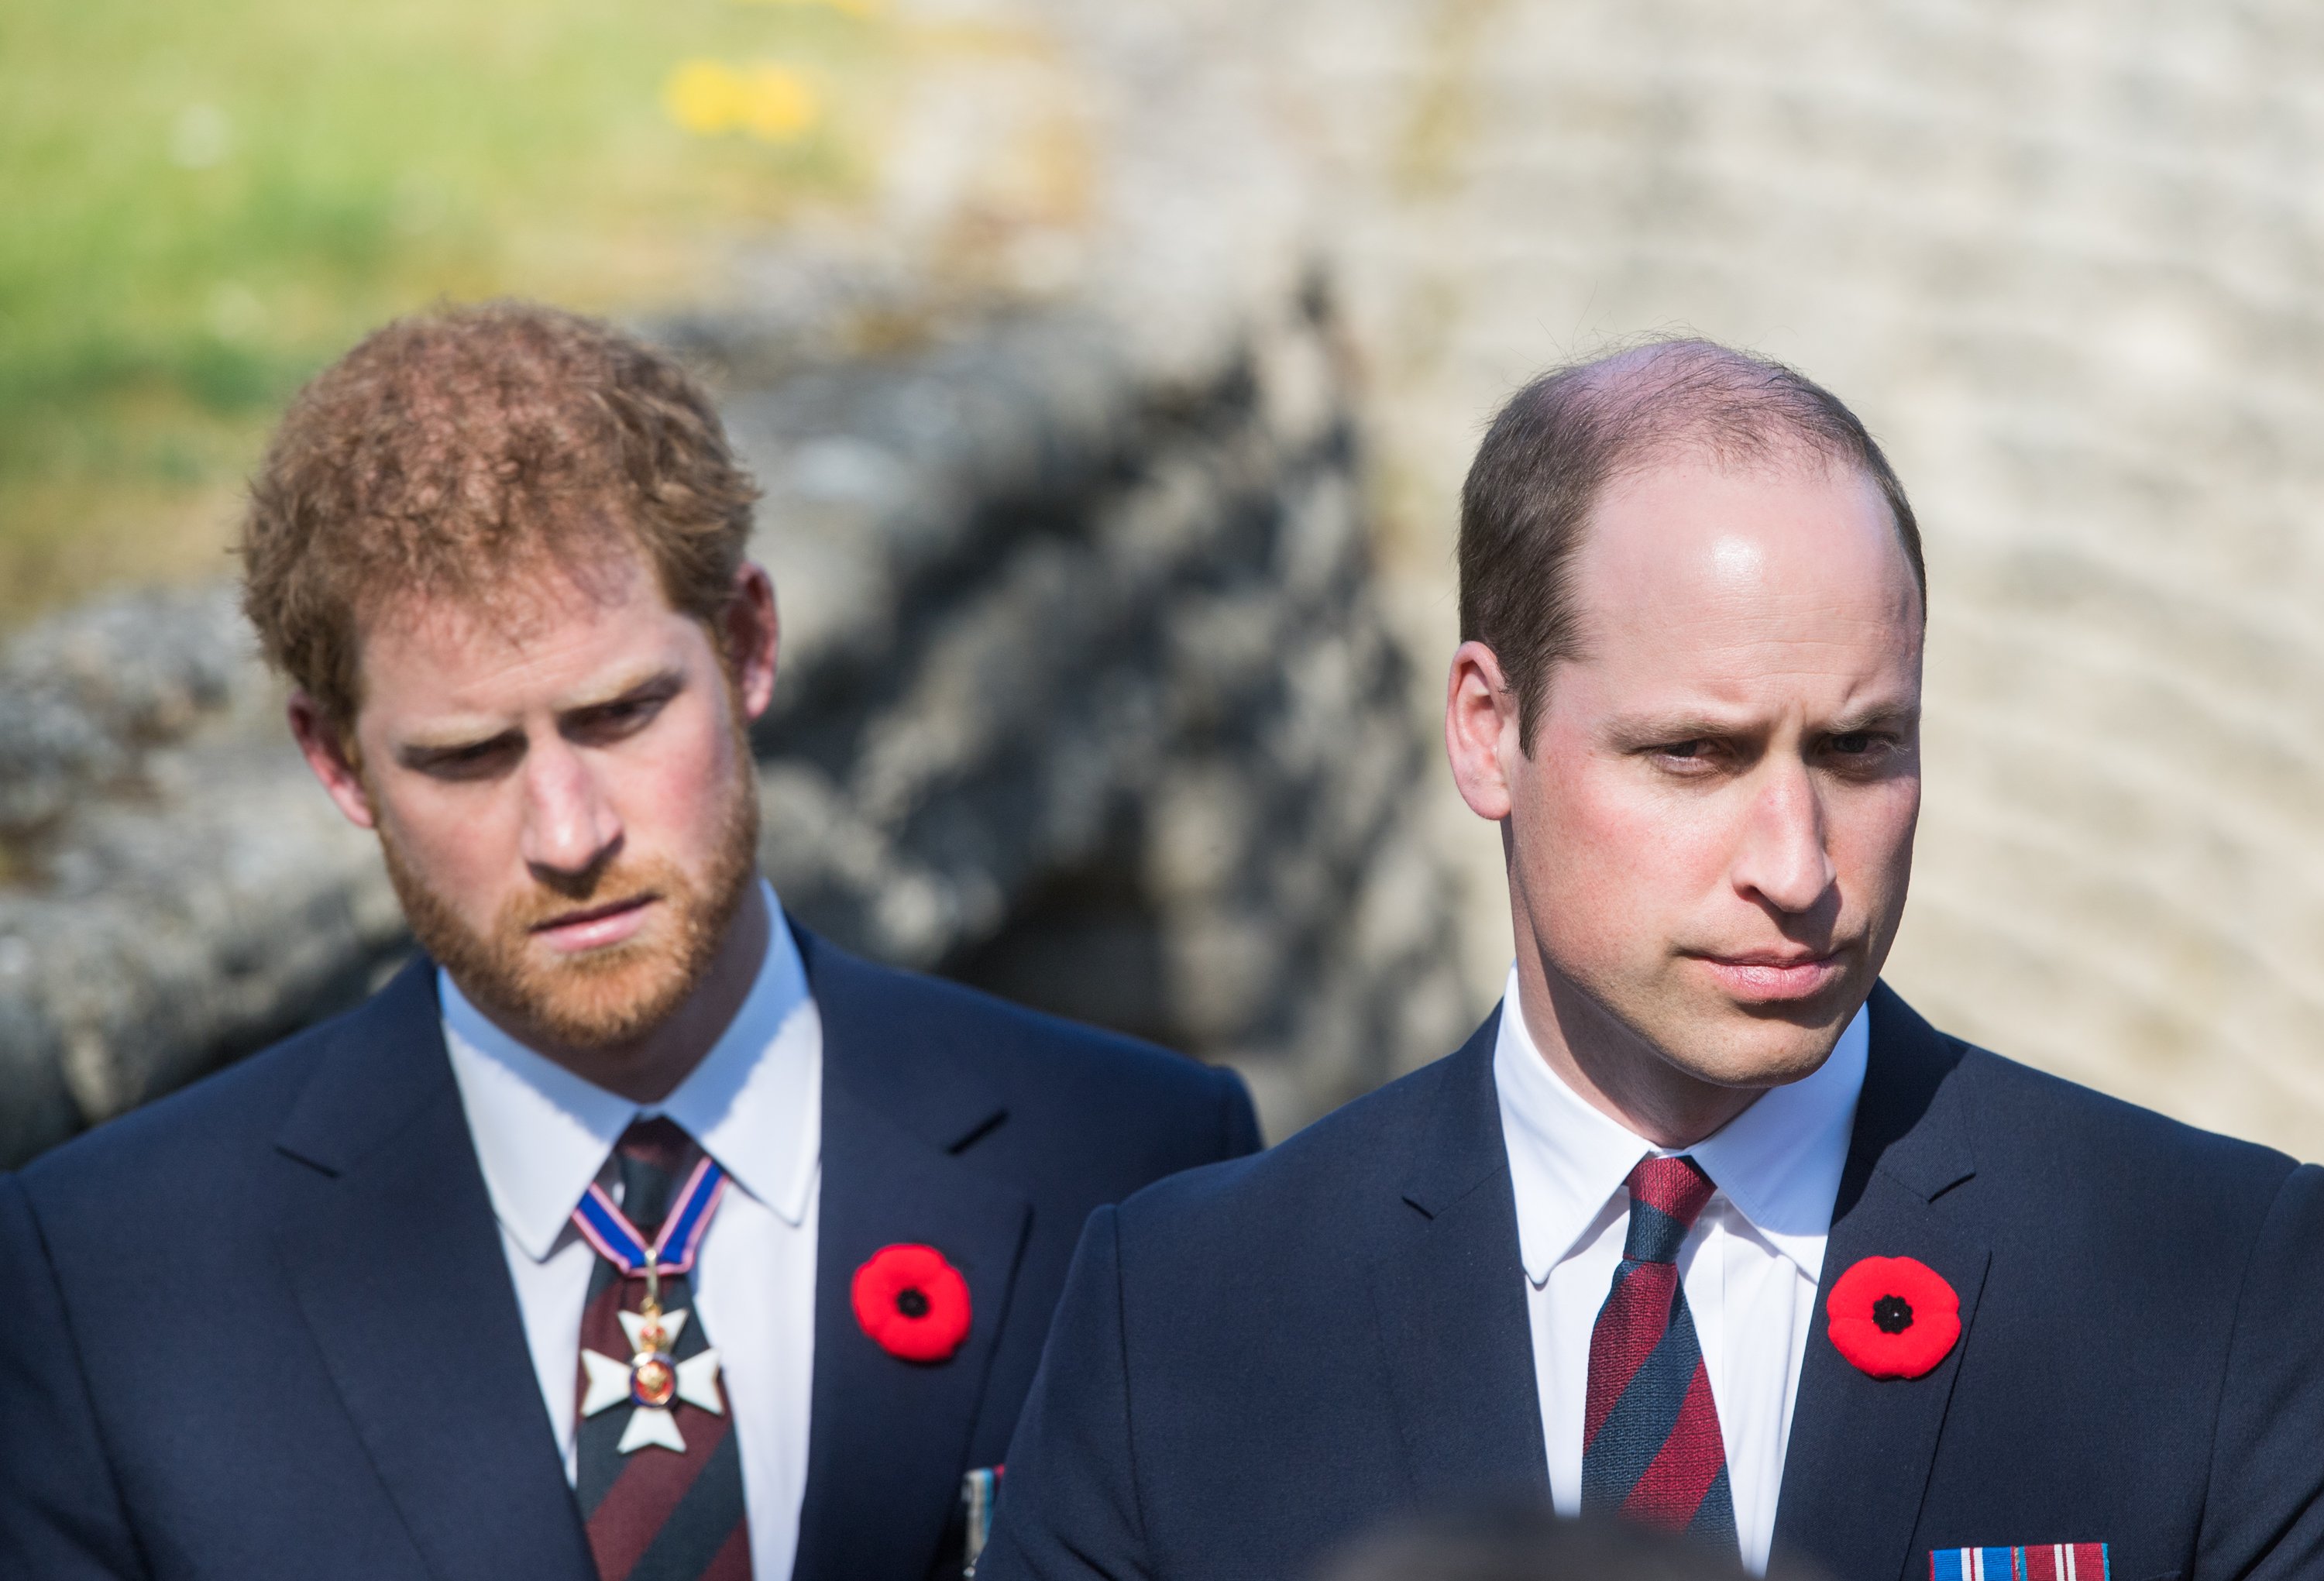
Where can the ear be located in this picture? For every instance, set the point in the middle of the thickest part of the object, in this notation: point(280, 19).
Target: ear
point(751, 631)
point(325, 748)
point(1480, 730)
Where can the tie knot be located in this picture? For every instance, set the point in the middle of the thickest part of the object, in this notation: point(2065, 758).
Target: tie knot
point(1667, 1195)
point(652, 1156)
point(660, 1141)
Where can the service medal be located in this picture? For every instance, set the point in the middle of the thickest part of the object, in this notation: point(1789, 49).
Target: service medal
point(650, 1380)
point(653, 1379)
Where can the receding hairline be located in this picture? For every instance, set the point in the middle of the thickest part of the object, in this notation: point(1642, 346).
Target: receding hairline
point(1870, 545)
point(1696, 400)
point(1558, 443)
point(1692, 396)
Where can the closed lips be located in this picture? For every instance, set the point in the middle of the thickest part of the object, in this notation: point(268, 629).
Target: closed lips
point(593, 913)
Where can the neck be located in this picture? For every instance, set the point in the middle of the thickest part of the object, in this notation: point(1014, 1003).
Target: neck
point(1615, 1070)
point(647, 1068)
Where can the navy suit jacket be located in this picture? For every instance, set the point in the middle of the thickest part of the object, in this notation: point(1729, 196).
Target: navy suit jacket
point(265, 1328)
point(1253, 1359)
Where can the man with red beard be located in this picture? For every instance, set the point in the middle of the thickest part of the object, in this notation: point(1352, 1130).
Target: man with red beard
point(632, 1232)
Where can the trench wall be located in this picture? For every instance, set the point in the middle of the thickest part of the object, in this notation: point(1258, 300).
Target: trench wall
point(1085, 698)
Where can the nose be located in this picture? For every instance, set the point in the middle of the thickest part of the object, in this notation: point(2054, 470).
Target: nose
point(571, 829)
point(1783, 859)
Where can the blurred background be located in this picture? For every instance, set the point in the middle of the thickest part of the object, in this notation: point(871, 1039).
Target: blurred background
point(1112, 369)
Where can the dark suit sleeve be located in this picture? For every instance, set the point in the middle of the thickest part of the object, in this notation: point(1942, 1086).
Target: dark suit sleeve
point(1238, 1122)
point(2264, 1510)
point(60, 1514)
point(1069, 1505)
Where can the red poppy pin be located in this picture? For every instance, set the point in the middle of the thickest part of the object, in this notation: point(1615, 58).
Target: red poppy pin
point(912, 1303)
point(1893, 1316)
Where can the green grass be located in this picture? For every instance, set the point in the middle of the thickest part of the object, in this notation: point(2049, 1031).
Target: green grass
point(205, 203)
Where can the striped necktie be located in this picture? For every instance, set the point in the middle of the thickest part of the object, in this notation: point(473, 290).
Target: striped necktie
point(655, 1514)
point(1650, 1443)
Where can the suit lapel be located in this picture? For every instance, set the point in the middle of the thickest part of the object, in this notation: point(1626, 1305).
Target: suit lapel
point(1449, 1290)
point(887, 1437)
point(1860, 1451)
point(395, 1262)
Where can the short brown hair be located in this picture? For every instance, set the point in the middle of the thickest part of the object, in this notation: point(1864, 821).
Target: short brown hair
point(1557, 444)
point(453, 448)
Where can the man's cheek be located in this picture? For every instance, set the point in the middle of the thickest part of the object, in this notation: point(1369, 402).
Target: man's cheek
point(677, 780)
point(1641, 857)
point(459, 850)
point(1874, 855)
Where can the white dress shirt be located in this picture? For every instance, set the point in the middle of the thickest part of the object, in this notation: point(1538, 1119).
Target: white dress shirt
point(1749, 1265)
point(755, 1104)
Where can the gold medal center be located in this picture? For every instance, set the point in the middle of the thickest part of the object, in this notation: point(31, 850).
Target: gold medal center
point(654, 1381)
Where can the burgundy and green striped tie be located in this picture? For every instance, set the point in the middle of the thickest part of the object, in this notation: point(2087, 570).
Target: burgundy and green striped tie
point(1650, 1444)
point(657, 1513)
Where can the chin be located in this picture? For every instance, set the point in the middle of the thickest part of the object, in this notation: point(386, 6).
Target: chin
point(1764, 1068)
point(598, 1006)
point(1748, 1045)
point(598, 1000)
point(1756, 1051)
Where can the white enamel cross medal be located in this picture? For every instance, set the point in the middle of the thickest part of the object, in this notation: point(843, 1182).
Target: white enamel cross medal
point(652, 1378)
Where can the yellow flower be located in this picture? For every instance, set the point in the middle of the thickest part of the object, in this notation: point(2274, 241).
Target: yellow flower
point(776, 103)
point(703, 98)
point(772, 103)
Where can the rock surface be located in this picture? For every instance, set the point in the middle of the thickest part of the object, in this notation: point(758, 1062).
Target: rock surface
point(2065, 260)
point(2068, 261)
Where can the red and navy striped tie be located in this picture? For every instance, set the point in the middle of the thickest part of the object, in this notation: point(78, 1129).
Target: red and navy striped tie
point(1650, 1443)
point(655, 1514)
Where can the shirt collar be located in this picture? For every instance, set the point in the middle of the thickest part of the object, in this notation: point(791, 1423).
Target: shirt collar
point(754, 1102)
point(1778, 1163)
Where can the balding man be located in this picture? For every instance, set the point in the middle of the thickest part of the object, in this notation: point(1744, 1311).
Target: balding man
point(1704, 1225)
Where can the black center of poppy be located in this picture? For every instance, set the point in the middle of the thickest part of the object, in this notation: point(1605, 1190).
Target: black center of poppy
point(913, 1303)
point(1892, 1314)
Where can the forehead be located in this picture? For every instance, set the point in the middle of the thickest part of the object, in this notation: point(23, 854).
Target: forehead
point(530, 636)
point(1694, 565)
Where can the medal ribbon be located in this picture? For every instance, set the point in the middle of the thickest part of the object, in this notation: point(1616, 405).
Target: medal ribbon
point(604, 1227)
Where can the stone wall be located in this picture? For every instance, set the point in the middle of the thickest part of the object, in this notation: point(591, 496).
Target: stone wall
point(1085, 697)
point(2068, 260)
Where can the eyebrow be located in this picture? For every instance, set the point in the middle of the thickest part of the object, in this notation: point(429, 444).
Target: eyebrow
point(430, 754)
point(667, 682)
point(1651, 730)
point(1878, 715)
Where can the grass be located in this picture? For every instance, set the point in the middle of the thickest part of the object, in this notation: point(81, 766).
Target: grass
point(205, 203)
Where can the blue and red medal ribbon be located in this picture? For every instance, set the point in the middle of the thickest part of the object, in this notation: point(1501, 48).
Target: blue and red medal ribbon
point(2049, 1561)
point(604, 1227)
